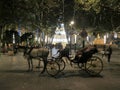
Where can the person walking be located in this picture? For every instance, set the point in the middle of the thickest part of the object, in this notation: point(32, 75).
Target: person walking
point(104, 50)
point(109, 50)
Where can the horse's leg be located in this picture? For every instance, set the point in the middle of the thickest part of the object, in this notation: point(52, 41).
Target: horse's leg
point(31, 62)
point(38, 64)
point(45, 63)
point(28, 59)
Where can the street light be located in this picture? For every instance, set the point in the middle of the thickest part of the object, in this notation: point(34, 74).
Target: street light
point(71, 23)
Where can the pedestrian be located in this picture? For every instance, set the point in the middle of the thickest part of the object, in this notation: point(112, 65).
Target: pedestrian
point(104, 51)
point(109, 52)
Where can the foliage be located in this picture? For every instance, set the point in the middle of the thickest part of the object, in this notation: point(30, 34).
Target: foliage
point(89, 4)
point(99, 13)
point(45, 15)
point(8, 36)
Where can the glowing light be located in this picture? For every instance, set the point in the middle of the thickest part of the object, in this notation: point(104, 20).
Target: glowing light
point(105, 37)
point(60, 36)
point(36, 38)
point(71, 23)
point(13, 38)
point(115, 35)
point(75, 38)
point(88, 38)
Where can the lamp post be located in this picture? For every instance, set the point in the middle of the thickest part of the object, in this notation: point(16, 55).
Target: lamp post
point(75, 42)
point(71, 25)
point(83, 34)
point(13, 38)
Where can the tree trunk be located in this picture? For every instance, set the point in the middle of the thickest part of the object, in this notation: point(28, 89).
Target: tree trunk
point(112, 23)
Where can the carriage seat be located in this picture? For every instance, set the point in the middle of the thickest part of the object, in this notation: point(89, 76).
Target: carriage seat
point(85, 55)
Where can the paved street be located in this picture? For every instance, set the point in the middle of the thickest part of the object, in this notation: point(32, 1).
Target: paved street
point(13, 76)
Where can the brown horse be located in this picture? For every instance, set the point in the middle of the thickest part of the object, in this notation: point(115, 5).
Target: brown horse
point(38, 53)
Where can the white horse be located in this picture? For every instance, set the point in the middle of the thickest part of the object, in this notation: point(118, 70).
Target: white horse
point(36, 53)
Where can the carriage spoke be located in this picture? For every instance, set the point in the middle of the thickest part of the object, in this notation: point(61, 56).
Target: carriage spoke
point(52, 68)
point(61, 62)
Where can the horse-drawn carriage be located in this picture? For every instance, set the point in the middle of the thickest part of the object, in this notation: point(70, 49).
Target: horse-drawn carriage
point(88, 61)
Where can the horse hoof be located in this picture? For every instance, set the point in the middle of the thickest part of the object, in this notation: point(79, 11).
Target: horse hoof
point(37, 66)
point(62, 73)
point(31, 70)
point(42, 72)
point(28, 70)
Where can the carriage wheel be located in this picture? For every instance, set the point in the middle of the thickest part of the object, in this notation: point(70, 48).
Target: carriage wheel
point(61, 63)
point(52, 68)
point(94, 66)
